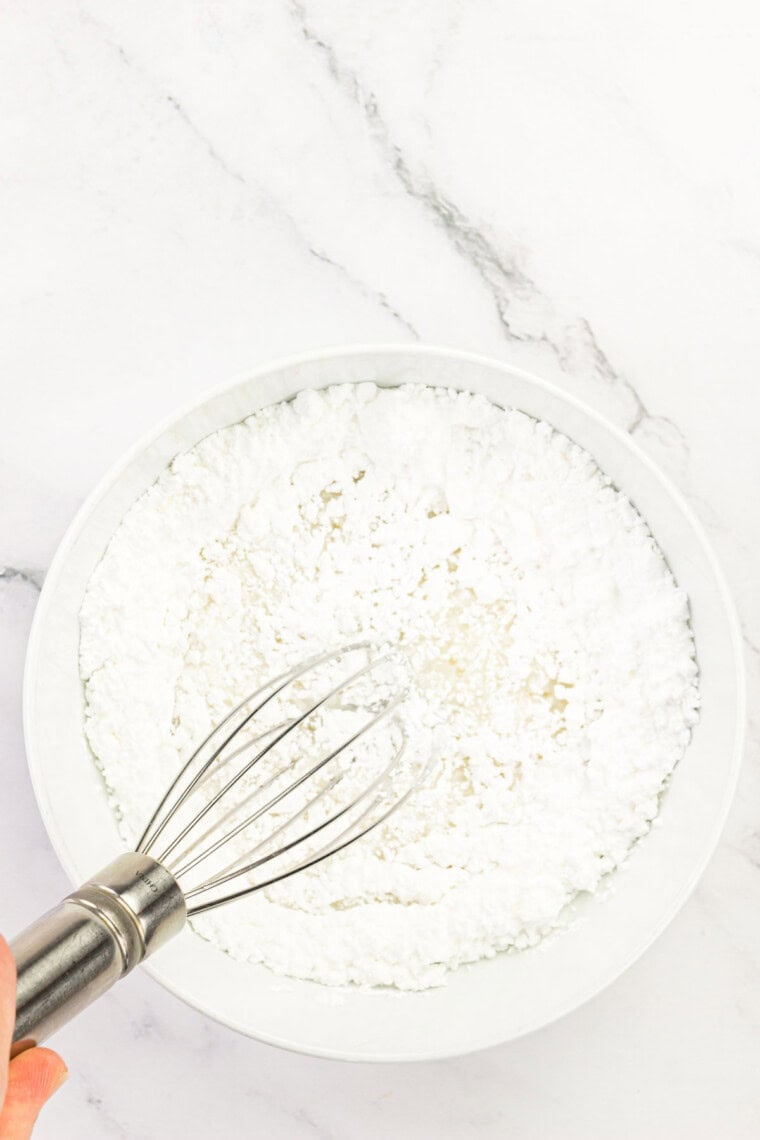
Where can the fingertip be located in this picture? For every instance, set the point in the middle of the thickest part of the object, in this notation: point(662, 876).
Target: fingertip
point(33, 1077)
point(7, 1003)
point(36, 1074)
point(7, 965)
point(55, 1068)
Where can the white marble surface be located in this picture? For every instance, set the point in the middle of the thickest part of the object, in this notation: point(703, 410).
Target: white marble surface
point(191, 188)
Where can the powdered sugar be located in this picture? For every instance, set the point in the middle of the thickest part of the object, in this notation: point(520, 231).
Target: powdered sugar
point(556, 683)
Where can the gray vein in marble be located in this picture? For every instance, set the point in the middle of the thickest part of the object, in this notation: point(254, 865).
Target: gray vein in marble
point(747, 849)
point(211, 150)
point(32, 578)
point(273, 206)
point(752, 851)
point(372, 294)
point(499, 271)
point(303, 1116)
point(752, 646)
point(145, 1026)
point(106, 1121)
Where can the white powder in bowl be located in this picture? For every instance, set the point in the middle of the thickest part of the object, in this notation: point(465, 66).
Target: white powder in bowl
point(556, 680)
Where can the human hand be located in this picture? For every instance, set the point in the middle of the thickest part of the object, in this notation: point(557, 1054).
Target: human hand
point(32, 1076)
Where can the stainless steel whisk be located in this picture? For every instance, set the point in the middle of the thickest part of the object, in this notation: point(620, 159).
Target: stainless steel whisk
point(120, 916)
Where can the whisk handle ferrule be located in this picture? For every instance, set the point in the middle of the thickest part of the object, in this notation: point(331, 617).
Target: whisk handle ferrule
point(99, 933)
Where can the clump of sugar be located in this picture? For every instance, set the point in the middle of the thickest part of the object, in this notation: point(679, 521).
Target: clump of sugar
point(555, 686)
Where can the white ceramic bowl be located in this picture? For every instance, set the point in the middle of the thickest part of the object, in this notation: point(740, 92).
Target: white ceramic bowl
point(492, 1001)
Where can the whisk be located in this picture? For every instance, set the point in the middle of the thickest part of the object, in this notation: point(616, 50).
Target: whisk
point(273, 772)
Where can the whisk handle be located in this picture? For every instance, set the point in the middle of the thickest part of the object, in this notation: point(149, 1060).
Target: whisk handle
point(99, 933)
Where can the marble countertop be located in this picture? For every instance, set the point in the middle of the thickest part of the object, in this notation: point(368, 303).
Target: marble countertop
point(189, 189)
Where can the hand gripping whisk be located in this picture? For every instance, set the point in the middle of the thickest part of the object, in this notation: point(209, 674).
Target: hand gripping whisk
point(307, 765)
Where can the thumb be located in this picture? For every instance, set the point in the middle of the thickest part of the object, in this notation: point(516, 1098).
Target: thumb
point(33, 1077)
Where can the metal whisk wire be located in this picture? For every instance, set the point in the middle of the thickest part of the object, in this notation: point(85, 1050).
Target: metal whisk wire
point(276, 684)
point(344, 839)
point(365, 811)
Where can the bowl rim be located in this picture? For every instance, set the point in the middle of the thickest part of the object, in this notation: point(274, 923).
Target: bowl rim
point(305, 358)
